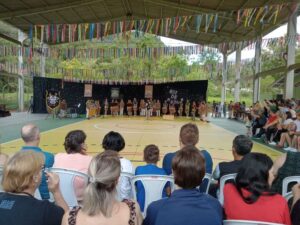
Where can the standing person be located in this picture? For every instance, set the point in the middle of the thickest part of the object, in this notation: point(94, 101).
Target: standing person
point(158, 106)
point(75, 158)
point(105, 107)
point(122, 104)
point(225, 110)
point(99, 201)
point(151, 157)
point(194, 109)
point(165, 108)
point(135, 106)
point(142, 108)
point(186, 205)
point(180, 109)
point(230, 110)
point(30, 134)
point(148, 109)
point(115, 142)
point(30, 108)
point(21, 177)
point(187, 108)
point(129, 107)
point(251, 193)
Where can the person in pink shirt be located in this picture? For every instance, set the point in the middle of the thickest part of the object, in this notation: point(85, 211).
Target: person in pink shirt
point(75, 158)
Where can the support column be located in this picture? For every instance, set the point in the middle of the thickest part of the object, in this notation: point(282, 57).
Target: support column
point(224, 78)
point(292, 32)
point(237, 87)
point(42, 60)
point(21, 38)
point(256, 80)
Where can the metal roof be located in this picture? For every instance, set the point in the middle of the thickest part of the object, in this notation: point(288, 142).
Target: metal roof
point(23, 13)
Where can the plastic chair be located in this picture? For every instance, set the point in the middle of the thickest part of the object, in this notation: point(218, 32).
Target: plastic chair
point(66, 184)
point(285, 183)
point(223, 181)
point(124, 177)
point(1, 175)
point(247, 222)
point(206, 181)
point(153, 185)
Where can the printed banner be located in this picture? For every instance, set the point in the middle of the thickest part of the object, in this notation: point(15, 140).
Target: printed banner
point(88, 90)
point(148, 91)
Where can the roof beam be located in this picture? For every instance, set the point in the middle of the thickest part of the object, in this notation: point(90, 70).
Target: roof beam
point(10, 39)
point(45, 9)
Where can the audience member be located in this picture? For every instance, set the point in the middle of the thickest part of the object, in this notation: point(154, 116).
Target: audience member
point(295, 214)
point(187, 205)
point(115, 142)
point(75, 158)
point(251, 193)
point(99, 202)
point(286, 165)
point(241, 146)
point(151, 157)
point(30, 134)
point(21, 177)
point(189, 135)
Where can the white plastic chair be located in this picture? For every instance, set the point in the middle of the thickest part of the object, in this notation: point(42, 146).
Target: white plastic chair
point(247, 222)
point(66, 184)
point(154, 187)
point(223, 181)
point(124, 177)
point(285, 183)
point(1, 175)
point(207, 177)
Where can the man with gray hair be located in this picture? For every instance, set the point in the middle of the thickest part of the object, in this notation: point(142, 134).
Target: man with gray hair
point(30, 134)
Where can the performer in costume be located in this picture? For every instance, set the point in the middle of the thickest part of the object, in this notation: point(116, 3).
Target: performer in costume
point(194, 109)
point(63, 109)
point(135, 107)
point(98, 108)
point(202, 110)
point(172, 108)
point(165, 108)
point(148, 109)
point(180, 109)
point(122, 104)
point(142, 108)
point(87, 107)
point(129, 107)
point(187, 108)
point(105, 106)
point(157, 107)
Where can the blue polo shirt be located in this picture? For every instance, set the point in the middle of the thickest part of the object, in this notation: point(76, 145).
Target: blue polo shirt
point(142, 170)
point(167, 165)
point(185, 206)
point(49, 161)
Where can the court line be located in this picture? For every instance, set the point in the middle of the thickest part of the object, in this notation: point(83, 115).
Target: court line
point(45, 131)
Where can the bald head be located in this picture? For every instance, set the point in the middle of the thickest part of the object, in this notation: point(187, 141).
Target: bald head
point(30, 133)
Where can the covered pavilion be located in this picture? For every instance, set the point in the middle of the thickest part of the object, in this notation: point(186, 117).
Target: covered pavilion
point(24, 13)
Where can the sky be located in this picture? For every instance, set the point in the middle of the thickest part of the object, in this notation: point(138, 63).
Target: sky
point(246, 54)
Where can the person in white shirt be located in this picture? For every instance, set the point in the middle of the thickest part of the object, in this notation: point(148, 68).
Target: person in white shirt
point(115, 142)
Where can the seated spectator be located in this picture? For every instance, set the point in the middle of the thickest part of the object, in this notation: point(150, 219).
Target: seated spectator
point(151, 157)
point(286, 165)
point(287, 138)
point(115, 142)
point(251, 193)
point(241, 146)
point(99, 201)
point(30, 134)
point(186, 205)
point(259, 118)
point(75, 158)
point(21, 177)
point(295, 214)
point(189, 135)
point(282, 127)
point(270, 125)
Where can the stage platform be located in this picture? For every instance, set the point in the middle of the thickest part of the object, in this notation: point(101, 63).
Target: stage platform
point(216, 137)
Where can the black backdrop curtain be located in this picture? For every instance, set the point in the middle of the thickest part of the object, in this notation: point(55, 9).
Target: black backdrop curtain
point(73, 92)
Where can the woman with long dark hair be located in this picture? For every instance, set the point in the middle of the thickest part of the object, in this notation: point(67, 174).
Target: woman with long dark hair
point(250, 198)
